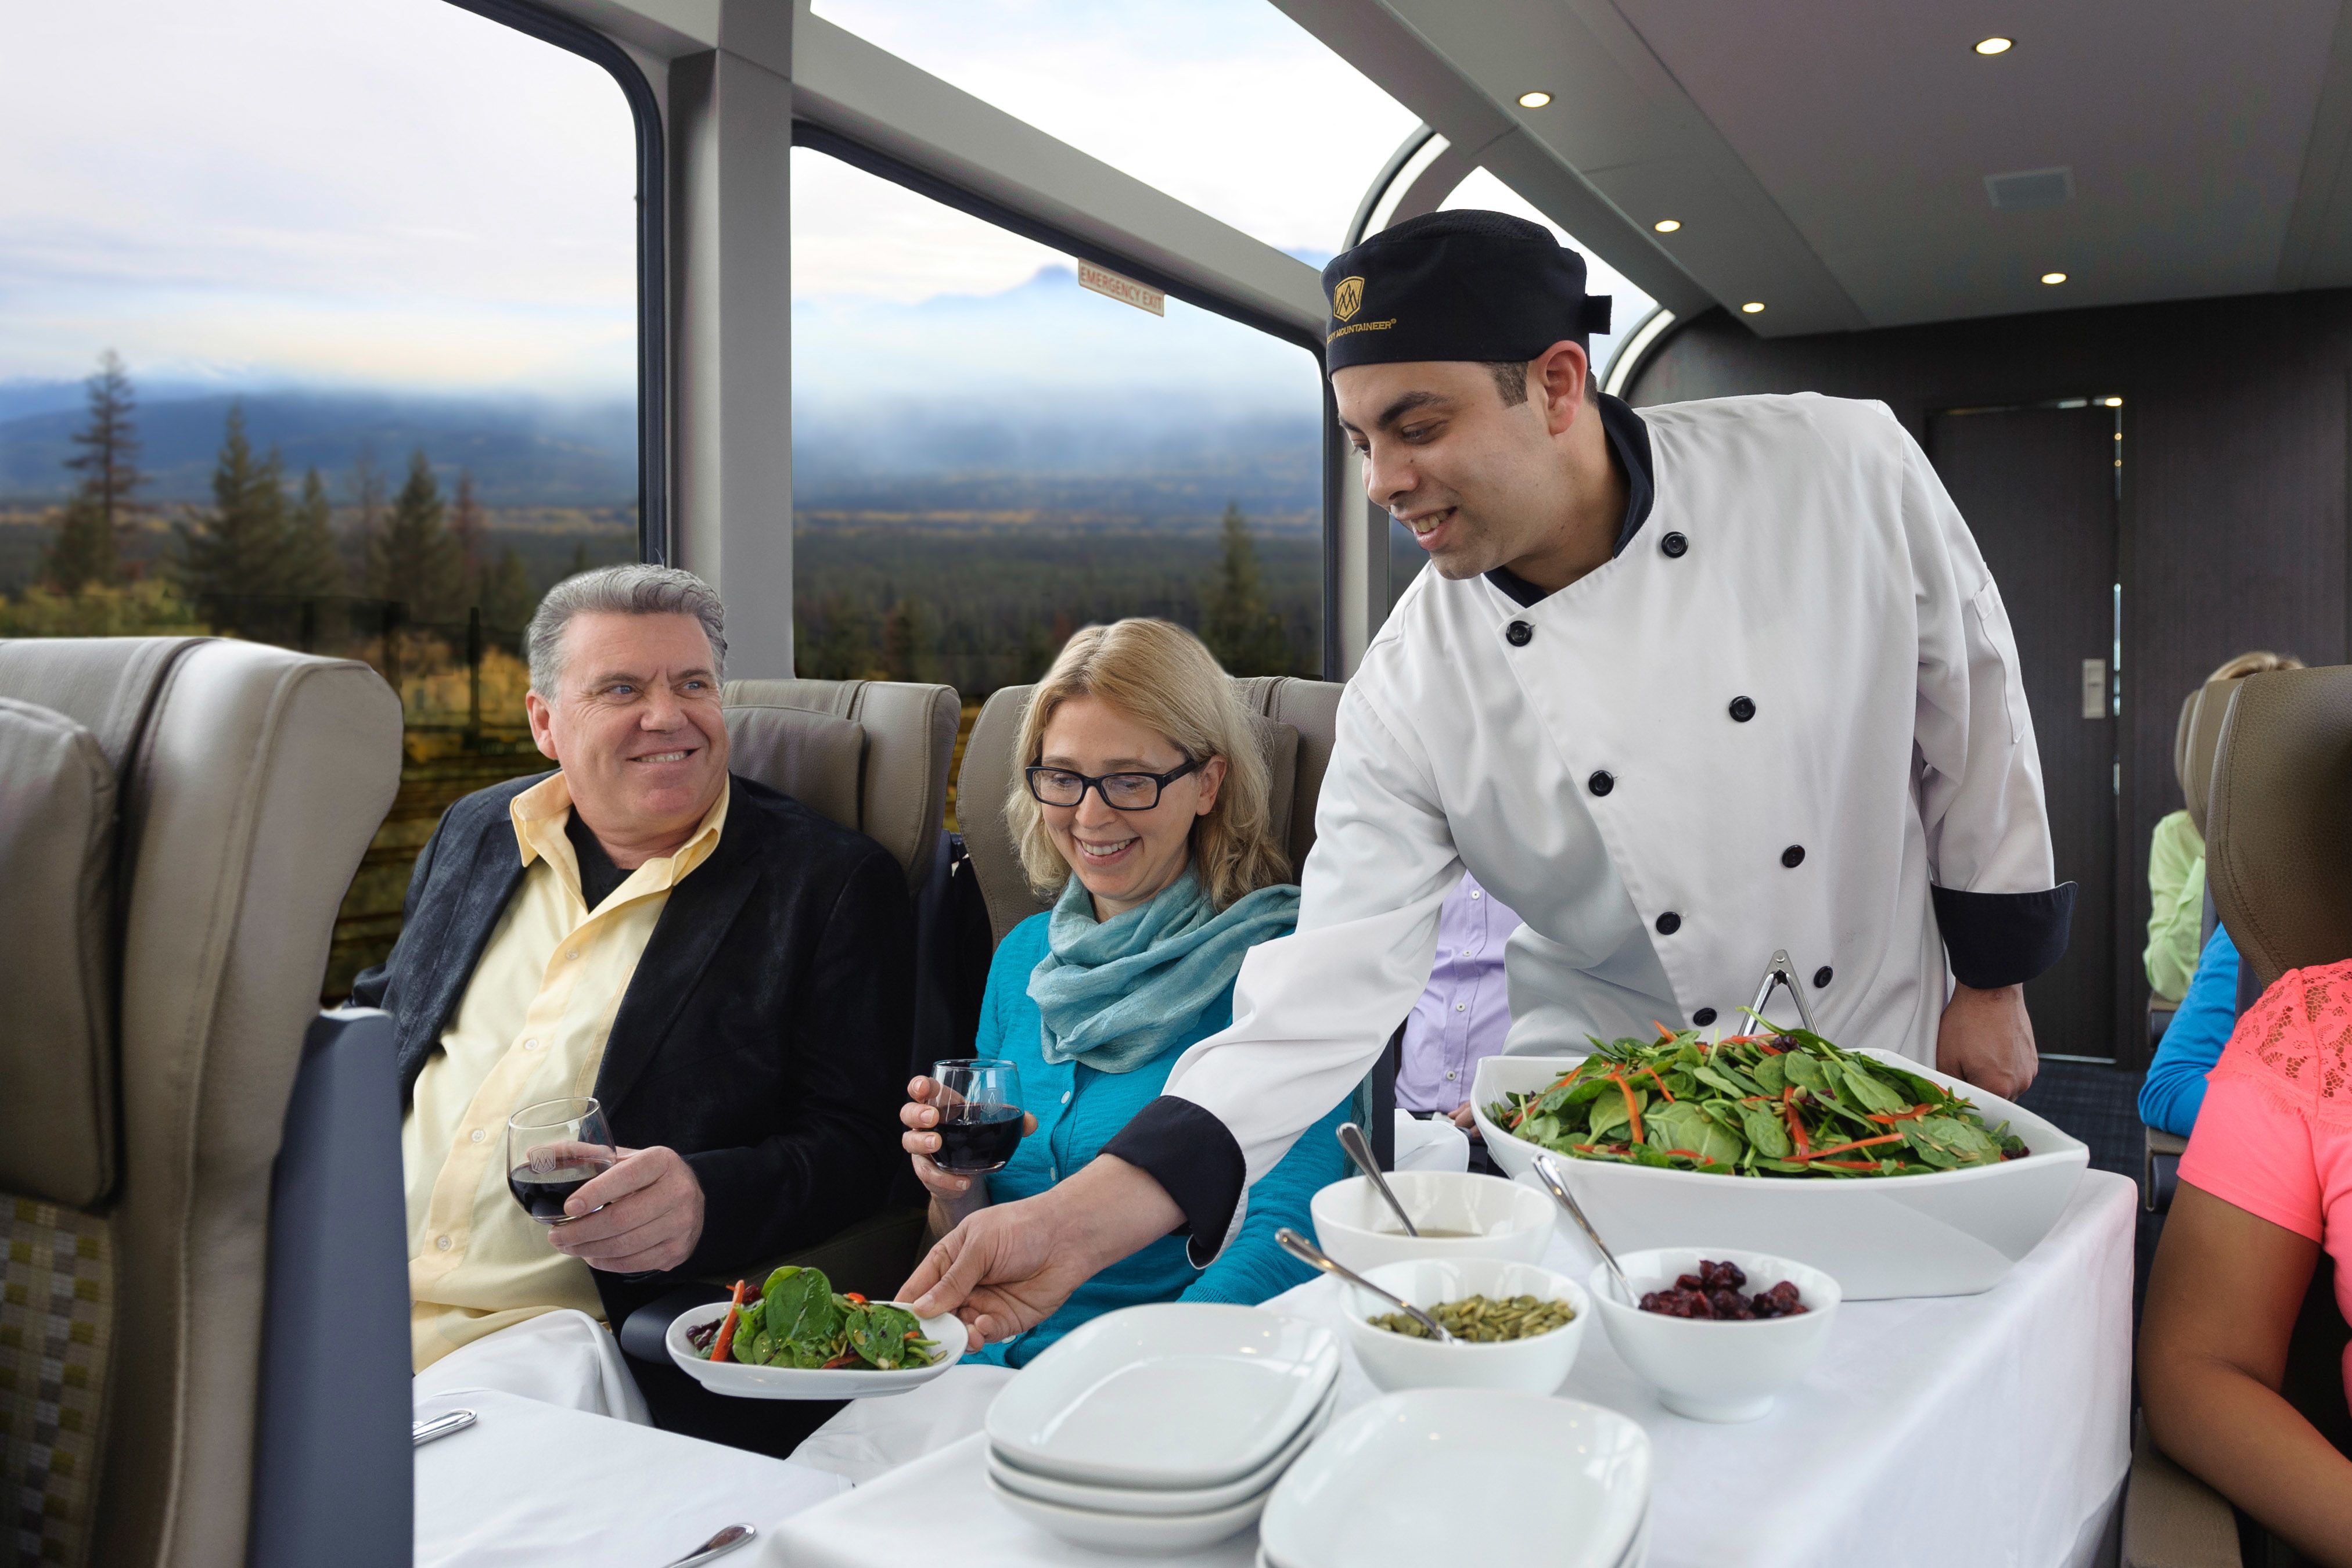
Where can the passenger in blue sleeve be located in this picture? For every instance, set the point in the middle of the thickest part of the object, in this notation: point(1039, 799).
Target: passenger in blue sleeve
point(1141, 802)
point(2174, 1086)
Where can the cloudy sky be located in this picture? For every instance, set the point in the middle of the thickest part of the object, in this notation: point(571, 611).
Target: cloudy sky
point(398, 193)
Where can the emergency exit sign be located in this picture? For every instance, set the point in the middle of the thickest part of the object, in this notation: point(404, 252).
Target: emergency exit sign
point(1127, 290)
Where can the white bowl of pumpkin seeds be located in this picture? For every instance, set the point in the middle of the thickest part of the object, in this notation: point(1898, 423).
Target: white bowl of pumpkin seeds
point(1517, 1325)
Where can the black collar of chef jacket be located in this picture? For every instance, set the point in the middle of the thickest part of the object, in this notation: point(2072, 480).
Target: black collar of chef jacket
point(1629, 453)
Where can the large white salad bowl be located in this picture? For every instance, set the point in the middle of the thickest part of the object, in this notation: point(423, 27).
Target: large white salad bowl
point(1949, 1233)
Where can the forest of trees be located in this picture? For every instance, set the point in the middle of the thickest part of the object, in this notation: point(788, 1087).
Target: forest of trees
point(333, 563)
point(265, 542)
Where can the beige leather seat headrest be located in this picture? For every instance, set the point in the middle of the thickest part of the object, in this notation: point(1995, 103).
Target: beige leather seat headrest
point(2204, 736)
point(891, 785)
point(2278, 842)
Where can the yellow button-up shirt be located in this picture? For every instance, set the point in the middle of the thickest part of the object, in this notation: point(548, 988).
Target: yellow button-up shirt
point(531, 1026)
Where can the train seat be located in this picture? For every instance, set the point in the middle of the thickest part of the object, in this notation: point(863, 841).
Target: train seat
point(870, 755)
point(185, 817)
point(2278, 858)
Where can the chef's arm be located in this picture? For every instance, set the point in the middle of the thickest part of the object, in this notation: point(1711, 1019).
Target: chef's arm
point(2003, 915)
point(1311, 1011)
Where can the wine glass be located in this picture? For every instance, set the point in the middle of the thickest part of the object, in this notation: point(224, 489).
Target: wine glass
point(553, 1148)
point(979, 1114)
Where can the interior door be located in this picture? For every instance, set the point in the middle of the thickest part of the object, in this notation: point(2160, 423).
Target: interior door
point(2039, 489)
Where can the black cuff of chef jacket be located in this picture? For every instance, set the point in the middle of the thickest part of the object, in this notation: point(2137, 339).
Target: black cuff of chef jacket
point(1195, 1157)
point(2004, 939)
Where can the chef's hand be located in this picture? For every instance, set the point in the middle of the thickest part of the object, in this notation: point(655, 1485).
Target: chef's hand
point(650, 1217)
point(1987, 1039)
point(1007, 1267)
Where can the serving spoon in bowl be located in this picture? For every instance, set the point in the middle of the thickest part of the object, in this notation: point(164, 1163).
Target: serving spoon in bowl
point(1314, 1257)
point(1547, 1173)
point(1359, 1150)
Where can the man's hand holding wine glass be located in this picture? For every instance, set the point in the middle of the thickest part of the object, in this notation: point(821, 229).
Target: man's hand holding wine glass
point(642, 1216)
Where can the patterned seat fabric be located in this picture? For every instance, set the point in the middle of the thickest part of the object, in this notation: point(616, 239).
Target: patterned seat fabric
point(57, 1306)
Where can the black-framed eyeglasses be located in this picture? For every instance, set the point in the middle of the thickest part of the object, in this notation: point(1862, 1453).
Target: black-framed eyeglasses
point(1120, 792)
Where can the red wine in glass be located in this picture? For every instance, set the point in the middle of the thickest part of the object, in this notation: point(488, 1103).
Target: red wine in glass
point(555, 1149)
point(979, 1115)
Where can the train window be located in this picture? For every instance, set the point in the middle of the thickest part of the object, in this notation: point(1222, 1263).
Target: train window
point(1227, 105)
point(320, 327)
point(1481, 189)
point(986, 456)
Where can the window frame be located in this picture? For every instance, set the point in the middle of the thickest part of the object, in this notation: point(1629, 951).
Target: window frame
point(857, 154)
point(653, 543)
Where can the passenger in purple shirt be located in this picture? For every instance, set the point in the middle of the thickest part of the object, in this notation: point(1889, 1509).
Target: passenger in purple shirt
point(1463, 1016)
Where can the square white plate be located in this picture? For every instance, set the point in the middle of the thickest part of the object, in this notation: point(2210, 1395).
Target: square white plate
point(740, 1381)
point(1359, 1495)
point(1170, 1396)
point(1012, 1477)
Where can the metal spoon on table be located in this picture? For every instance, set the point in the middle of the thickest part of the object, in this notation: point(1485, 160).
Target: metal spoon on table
point(1314, 1257)
point(1547, 1173)
point(1359, 1150)
point(726, 1541)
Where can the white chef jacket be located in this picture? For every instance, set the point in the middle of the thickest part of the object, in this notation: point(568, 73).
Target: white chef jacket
point(1588, 769)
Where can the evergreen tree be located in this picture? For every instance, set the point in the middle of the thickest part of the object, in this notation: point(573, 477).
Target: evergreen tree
point(366, 485)
point(906, 642)
point(415, 559)
point(465, 525)
point(89, 547)
point(236, 549)
point(1241, 628)
point(313, 566)
point(508, 596)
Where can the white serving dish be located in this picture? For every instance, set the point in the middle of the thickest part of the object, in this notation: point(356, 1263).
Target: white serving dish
point(1137, 1499)
point(1396, 1361)
point(1148, 1534)
point(1637, 1551)
point(1361, 1232)
point(740, 1381)
point(1712, 1370)
point(1169, 1396)
point(1949, 1233)
point(1374, 1491)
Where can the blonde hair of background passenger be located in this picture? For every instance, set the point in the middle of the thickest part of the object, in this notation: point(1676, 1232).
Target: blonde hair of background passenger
point(2262, 661)
point(1160, 676)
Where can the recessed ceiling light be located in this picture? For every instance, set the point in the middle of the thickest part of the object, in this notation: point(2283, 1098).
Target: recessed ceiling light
point(1667, 225)
point(1751, 307)
point(2053, 277)
point(1534, 99)
point(2113, 402)
point(1995, 45)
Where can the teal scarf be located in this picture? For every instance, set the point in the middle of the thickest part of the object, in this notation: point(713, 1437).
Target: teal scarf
point(1115, 993)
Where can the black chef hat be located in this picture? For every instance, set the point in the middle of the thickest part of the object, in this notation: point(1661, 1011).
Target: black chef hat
point(1457, 286)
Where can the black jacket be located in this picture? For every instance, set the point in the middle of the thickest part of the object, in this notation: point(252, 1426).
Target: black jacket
point(764, 1034)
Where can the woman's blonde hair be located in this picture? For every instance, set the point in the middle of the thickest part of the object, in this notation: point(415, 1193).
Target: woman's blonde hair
point(2262, 661)
point(1159, 675)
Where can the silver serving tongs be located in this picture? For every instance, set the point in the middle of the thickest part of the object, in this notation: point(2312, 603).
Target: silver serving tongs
point(1780, 972)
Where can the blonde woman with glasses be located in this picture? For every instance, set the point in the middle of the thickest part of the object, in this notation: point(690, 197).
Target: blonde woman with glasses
point(1141, 806)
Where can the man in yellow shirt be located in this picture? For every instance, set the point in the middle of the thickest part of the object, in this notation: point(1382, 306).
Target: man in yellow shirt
point(725, 971)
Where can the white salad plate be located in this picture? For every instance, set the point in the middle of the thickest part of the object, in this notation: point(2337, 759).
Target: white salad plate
point(1947, 1232)
point(1131, 1533)
point(1359, 1495)
point(740, 1381)
point(1170, 1396)
point(1139, 1499)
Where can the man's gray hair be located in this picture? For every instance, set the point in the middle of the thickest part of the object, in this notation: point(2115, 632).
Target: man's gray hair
point(635, 589)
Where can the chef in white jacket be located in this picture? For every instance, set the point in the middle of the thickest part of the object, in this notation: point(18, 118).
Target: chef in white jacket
point(1685, 687)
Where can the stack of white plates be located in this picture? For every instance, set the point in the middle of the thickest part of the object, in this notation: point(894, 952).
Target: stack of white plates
point(1536, 1482)
point(1160, 1429)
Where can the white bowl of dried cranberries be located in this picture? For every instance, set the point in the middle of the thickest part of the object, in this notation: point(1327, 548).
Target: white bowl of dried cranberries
point(1718, 1331)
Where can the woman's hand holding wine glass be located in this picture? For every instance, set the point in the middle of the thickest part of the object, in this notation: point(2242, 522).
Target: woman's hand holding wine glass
point(960, 1125)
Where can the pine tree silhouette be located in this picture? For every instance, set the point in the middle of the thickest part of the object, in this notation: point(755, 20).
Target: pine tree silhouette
point(415, 559)
point(1241, 628)
point(88, 551)
point(314, 562)
point(238, 549)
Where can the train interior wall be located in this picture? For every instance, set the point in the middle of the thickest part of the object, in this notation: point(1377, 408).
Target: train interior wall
point(2230, 526)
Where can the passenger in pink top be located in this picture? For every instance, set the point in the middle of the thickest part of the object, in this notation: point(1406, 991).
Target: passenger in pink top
point(2266, 1184)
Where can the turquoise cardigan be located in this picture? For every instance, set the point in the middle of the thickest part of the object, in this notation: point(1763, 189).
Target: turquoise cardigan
point(1079, 1109)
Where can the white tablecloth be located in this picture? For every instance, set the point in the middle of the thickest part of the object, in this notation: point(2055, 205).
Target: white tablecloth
point(531, 1485)
point(1970, 1431)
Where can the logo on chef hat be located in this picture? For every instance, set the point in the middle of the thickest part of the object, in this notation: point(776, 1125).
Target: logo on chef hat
point(1347, 297)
